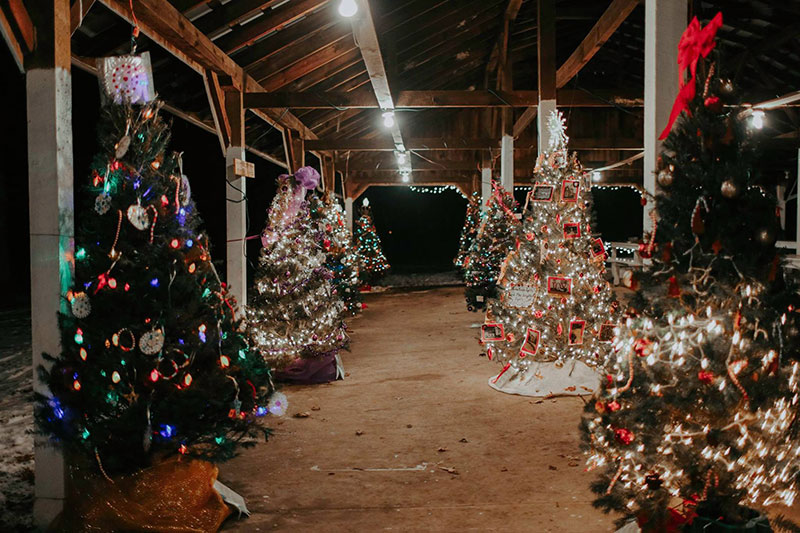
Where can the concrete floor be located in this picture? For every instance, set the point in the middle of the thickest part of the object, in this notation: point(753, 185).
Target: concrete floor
point(415, 440)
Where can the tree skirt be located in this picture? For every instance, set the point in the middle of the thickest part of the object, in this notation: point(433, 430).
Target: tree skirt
point(546, 379)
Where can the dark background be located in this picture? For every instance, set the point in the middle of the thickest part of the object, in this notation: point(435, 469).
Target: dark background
point(419, 231)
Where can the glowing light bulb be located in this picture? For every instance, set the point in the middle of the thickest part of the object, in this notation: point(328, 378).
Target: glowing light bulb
point(348, 8)
point(388, 119)
point(596, 176)
point(757, 120)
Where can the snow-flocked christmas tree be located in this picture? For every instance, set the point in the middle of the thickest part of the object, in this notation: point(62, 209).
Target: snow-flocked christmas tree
point(555, 310)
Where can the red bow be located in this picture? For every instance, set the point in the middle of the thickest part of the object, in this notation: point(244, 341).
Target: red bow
point(695, 42)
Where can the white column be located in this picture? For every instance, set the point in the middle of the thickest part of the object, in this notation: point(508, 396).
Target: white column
point(52, 245)
point(486, 186)
point(348, 213)
point(797, 206)
point(664, 23)
point(236, 224)
point(507, 163)
point(546, 107)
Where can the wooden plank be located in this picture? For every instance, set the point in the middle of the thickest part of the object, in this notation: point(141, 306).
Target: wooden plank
point(14, 46)
point(308, 64)
point(546, 41)
point(78, 12)
point(605, 27)
point(216, 101)
point(523, 121)
point(230, 14)
point(234, 111)
point(294, 150)
point(457, 143)
point(304, 52)
point(512, 10)
point(23, 23)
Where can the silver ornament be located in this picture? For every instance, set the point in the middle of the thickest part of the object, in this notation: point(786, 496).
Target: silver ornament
point(137, 215)
point(186, 190)
point(122, 147)
point(665, 178)
point(102, 204)
point(151, 342)
point(81, 305)
point(729, 189)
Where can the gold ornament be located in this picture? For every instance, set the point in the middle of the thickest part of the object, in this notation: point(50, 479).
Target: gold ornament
point(729, 189)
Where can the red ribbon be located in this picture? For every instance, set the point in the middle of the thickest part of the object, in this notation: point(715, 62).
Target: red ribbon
point(695, 42)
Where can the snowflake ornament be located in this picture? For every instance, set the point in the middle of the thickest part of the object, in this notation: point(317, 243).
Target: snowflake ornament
point(151, 342)
point(278, 404)
point(127, 79)
point(558, 131)
point(80, 305)
point(102, 204)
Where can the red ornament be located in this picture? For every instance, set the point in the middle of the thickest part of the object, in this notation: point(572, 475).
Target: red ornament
point(327, 244)
point(705, 376)
point(529, 236)
point(666, 252)
point(642, 347)
point(538, 314)
point(645, 251)
point(716, 246)
point(674, 290)
point(624, 436)
point(713, 103)
point(643, 201)
point(560, 329)
point(613, 406)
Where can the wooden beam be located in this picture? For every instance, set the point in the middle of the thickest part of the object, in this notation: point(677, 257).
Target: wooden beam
point(295, 150)
point(512, 10)
point(456, 143)
point(78, 12)
point(216, 101)
point(609, 21)
point(14, 45)
point(308, 64)
point(328, 173)
point(23, 23)
point(436, 99)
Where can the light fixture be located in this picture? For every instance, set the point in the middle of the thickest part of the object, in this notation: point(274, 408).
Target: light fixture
point(401, 157)
point(596, 176)
point(348, 8)
point(388, 119)
point(406, 177)
point(365, 203)
point(757, 119)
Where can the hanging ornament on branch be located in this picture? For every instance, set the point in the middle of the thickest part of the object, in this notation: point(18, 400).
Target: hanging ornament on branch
point(126, 79)
point(698, 224)
point(729, 189)
point(666, 177)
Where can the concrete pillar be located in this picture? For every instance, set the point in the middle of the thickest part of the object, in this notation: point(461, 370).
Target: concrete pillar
point(507, 163)
point(236, 226)
point(348, 213)
point(546, 107)
point(52, 245)
point(486, 186)
point(664, 23)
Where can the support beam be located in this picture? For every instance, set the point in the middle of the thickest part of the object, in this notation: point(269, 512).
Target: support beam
point(507, 163)
point(52, 245)
point(348, 213)
point(328, 174)
point(664, 23)
point(422, 144)
point(486, 186)
point(78, 12)
point(294, 149)
point(546, 42)
point(236, 204)
point(216, 101)
point(18, 22)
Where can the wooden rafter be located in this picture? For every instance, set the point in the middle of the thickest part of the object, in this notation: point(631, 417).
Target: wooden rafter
point(455, 143)
point(228, 15)
point(78, 12)
point(512, 10)
point(216, 100)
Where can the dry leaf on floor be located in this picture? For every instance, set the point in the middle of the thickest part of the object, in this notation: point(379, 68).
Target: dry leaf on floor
point(442, 449)
point(449, 470)
point(359, 433)
point(304, 414)
point(463, 440)
point(409, 426)
point(551, 467)
point(315, 408)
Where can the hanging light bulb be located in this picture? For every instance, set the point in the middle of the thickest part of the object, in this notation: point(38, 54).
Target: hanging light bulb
point(596, 176)
point(388, 119)
point(757, 119)
point(401, 157)
point(365, 203)
point(348, 8)
point(406, 175)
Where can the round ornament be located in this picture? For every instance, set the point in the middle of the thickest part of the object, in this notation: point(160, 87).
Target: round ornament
point(122, 147)
point(102, 204)
point(186, 191)
point(80, 305)
point(137, 216)
point(766, 237)
point(151, 342)
point(665, 178)
point(726, 86)
point(729, 189)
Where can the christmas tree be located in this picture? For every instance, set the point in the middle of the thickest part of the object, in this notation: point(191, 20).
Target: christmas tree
point(554, 308)
point(494, 241)
point(295, 313)
point(469, 231)
point(372, 264)
point(341, 258)
point(701, 399)
point(154, 361)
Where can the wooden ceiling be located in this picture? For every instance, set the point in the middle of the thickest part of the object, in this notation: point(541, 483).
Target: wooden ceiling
point(445, 64)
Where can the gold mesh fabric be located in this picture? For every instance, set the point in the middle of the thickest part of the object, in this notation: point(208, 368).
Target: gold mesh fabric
point(173, 496)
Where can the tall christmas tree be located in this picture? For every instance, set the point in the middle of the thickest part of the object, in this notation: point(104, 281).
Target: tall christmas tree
point(493, 243)
point(340, 255)
point(472, 221)
point(554, 309)
point(295, 313)
point(372, 264)
point(153, 360)
point(701, 399)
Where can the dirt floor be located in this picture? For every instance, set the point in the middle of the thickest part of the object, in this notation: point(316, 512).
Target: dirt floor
point(415, 440)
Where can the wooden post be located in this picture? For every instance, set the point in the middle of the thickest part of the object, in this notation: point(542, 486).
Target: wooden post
point(294, 149)
point(546, 35)
point(328, 174)
point(52, 244)
point(664, 22)
point(235, 205)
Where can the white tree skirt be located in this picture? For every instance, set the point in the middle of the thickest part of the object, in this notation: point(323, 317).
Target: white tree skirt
point(546, 379)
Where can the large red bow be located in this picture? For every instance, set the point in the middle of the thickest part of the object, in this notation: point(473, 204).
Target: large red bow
point(695, 42)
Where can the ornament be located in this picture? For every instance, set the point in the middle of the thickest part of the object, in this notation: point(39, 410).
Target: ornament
point(665, 178)
point(102, 204)
point(150, 343)
point(705, 377)
point(613, 406)
point(716, 246)
point(729, 189)
point(185, 191)
point(726, 86)
point(80, 305)
point(278, 404)
point(122, 147)
point(713, 103)
point(624, 436)
point(127, 79)
point(137, 216)
point(698, 224)
point(643, 347)
point(644, 251)
point(766, 237)
point(674, 290)
point(629, 281)
point(653, 481)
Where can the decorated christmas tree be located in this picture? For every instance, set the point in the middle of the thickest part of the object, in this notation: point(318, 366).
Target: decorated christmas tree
point(554, 309)
point(340, 256)
point(372, 264)
point(494, 241)
point(154, 361)
point(697, 418)
point(472, 221)
point(295, 313)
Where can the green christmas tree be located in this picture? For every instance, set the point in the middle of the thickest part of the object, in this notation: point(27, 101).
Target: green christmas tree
point(295, 312)
point(154, 361)
point(554, 307)
point(472, 221)
point(341, 258)
point(495, 239)
point(701, 398)
point(372, 264)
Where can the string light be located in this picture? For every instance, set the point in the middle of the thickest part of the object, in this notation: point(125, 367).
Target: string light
point(435, 189)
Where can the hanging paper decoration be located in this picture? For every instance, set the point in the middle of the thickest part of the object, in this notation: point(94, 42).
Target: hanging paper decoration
point(127, 79)
point(137, 216)
point(80, 304)
point(150, 343)
point(102, 204)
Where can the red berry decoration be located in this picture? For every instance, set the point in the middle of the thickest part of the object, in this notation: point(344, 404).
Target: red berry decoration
point(613, 406)
point(705, 376)
point(624, 436)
